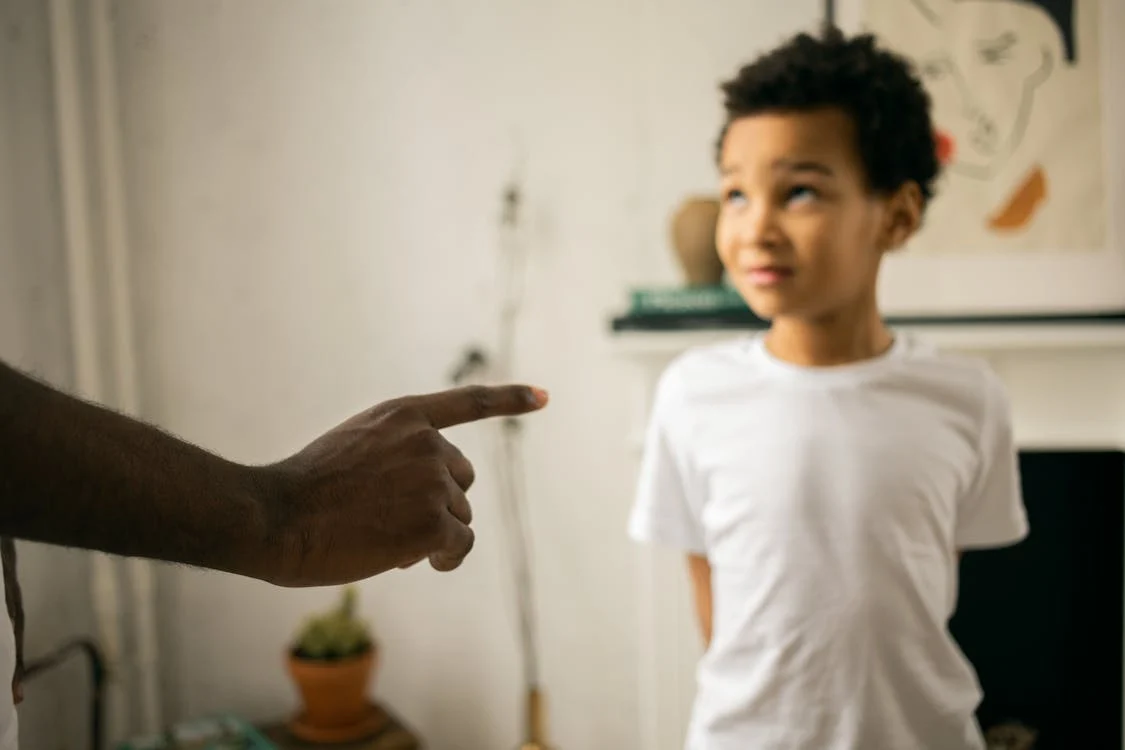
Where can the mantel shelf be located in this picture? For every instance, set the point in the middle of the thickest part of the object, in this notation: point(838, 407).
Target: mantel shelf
point(975, 337)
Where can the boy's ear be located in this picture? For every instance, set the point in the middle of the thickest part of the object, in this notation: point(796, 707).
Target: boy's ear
point(904, 216)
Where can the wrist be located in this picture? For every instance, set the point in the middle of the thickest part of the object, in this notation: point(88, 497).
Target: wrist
point(254, 523)
point(277, 542)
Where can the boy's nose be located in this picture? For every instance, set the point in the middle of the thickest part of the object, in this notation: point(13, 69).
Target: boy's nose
point(758, 228)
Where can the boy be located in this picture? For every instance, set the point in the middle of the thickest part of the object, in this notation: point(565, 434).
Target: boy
point(824, 477)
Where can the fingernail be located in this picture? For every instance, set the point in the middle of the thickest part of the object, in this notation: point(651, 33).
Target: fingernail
point(540, 396)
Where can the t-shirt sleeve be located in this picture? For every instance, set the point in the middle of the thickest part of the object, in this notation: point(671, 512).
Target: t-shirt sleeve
point(665, 506)
point(992, 513)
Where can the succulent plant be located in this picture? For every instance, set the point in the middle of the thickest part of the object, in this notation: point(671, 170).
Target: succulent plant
point(339, 634)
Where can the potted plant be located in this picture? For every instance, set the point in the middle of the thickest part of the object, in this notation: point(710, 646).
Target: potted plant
point(331, 661)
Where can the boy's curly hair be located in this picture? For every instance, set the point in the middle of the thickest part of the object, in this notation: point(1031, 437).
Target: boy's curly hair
point(877, 88)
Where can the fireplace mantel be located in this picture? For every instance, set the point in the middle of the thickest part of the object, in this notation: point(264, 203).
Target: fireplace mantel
point(983, 339)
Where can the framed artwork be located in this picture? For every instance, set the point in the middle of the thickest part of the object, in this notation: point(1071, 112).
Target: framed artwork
point(1029, 104)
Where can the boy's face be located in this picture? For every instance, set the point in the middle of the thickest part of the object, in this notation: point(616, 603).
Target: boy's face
point(799, 233)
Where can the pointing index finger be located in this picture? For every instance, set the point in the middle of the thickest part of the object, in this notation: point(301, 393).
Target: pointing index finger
point(476, 402)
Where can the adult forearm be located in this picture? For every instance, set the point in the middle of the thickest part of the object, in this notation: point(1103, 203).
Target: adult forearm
point(76, 474)
point(13, 600)
point(381, 490)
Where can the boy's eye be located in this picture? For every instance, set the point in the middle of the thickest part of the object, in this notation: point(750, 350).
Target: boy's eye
point(800, 193)
point(734, 197)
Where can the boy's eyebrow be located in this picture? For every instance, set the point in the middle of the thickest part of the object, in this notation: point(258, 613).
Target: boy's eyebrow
point(803, 165)
point(786, 165)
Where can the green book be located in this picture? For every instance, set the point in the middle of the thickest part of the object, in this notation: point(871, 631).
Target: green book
point(686, 300)
point(211, 733)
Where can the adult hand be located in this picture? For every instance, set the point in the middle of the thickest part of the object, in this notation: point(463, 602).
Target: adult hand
point(384, 489)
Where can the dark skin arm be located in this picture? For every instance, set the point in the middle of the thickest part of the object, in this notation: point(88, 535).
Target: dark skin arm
point(382, 490)
point(13, 597)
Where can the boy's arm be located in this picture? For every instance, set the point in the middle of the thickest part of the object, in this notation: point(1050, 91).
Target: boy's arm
point(992, 513)
point(667, 492)
point(699, 569)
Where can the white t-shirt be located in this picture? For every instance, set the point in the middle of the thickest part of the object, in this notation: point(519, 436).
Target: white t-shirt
point(831, 504)
point(9, 727)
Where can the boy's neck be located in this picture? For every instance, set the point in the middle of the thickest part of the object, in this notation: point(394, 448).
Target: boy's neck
point(840, 338)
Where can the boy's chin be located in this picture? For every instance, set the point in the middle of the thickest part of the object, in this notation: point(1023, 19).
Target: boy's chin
point(769, 306)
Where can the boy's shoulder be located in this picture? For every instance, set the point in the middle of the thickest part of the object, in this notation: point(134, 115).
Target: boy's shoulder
point(949, 370)
point(916, 364)
point(700, 368)
point(710, 357)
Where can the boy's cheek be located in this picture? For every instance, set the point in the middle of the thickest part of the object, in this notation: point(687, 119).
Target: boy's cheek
point(726, 243)
point(725, 257)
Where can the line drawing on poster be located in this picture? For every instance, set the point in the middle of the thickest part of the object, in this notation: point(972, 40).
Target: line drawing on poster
point(1017, 104)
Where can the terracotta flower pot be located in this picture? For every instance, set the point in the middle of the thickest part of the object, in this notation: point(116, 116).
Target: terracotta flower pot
point(334, 693)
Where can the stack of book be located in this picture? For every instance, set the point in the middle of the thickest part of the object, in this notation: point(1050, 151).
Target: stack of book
point(686, 308)
point(223, 732)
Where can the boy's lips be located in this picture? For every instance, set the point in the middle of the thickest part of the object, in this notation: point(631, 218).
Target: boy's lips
point(767, 276)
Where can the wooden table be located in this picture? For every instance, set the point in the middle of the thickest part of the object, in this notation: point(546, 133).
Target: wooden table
point(394, 736)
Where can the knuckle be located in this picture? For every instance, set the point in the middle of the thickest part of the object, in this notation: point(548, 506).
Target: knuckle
point(432, 441)
point(434, 531)
point(457, 544)
point(481, 399)
point(384, 408)
point(466, 509)
point(437, 502)
point(439, 476)
point(457, 458)
point(425, 444)
point(400, 410)
point(437, 495)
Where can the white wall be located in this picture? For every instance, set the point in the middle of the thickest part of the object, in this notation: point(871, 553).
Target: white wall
point(34, 334)
point(314, 190)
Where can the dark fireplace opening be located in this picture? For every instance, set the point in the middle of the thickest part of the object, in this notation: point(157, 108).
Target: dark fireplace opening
point(1042, 621)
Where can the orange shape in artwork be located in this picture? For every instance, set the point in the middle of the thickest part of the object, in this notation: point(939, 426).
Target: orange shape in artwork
point(1017, 212)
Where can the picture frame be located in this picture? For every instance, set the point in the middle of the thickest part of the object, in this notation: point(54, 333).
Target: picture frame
point(1054, 130)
